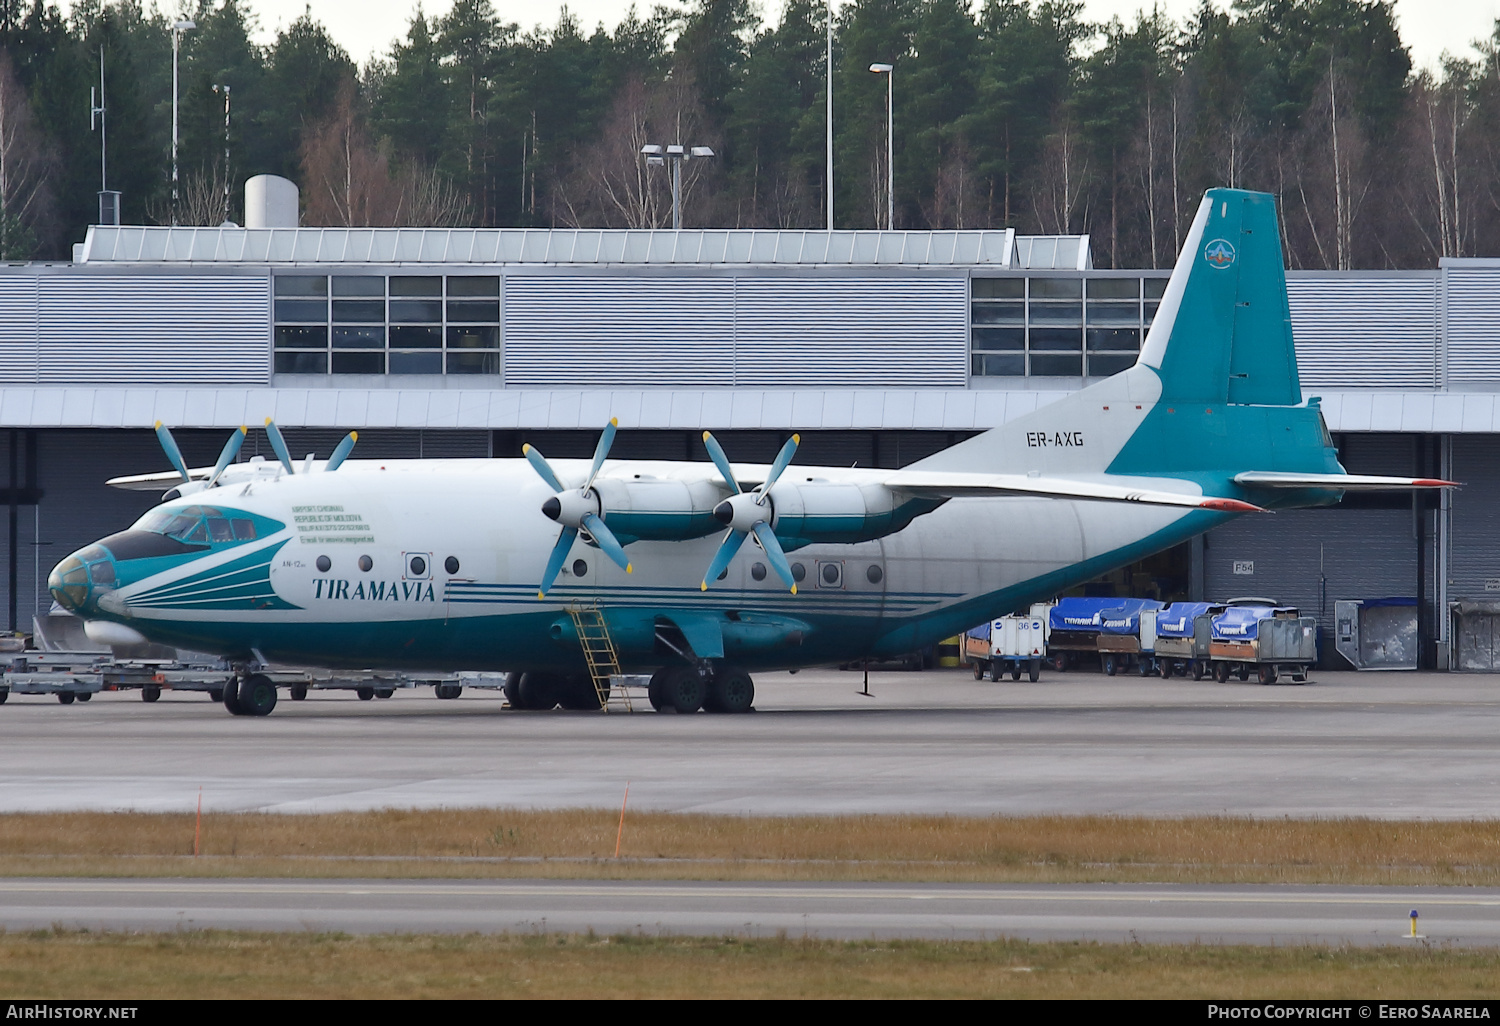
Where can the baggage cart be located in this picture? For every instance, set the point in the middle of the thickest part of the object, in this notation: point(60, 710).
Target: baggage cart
point(1106, 629)
point(1183, 632)
point(1267, 640)
point(1009, 643)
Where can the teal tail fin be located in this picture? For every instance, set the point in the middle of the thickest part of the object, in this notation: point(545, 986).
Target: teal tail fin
point(1223, 333)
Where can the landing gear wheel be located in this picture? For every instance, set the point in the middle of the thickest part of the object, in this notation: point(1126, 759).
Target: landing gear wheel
point(150, 693)
point(1266, 674)
point(65, 697)
point(1242, 671)
point(512, 690)
point(385, 692)
point(299, 692)
point(1109, 666)
point(230, 696)
point(730, 691)
point(84, 696)
point(1221, 672)
point(365, 694)
point(682, 689)
point(579, 694)
point(540, 690)
point(257, 695)
point(656, 690)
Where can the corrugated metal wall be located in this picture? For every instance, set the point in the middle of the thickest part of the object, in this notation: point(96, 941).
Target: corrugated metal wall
point(704, 331)
point(1473, 310)
point(135, 329)
point(1474, 563)
point(1366, 331)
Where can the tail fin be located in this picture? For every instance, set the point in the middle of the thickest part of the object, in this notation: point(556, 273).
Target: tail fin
point(1223, 333)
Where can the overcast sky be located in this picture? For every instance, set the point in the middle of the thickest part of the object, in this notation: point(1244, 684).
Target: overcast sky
point(364, 27)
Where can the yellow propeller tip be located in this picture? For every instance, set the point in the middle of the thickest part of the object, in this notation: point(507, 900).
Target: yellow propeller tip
point(158, 426)
point(706, 435)
point(614, 422)
point(797, 439)
point(703, 586)
point(541, 594)
point(630, 568)
point(268, 422)
point(244, 430)
point(525, 448)
point(354, 435)
point(794, 589)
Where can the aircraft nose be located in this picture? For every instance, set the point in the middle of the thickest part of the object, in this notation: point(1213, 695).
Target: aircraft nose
point(75, 582)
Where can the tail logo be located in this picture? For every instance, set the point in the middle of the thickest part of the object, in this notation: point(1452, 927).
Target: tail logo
point(1219, 254)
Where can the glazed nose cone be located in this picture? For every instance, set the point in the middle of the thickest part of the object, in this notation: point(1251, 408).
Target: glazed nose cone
point(74, 582)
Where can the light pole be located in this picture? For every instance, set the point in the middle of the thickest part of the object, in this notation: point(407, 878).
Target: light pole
point(656, 156)
point(829, 116)
point(109, 202)
point(890, 133)
point(178, 28)
point(225, 91)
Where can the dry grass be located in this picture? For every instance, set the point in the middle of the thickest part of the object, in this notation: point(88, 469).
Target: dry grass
point(580, 843)
point(215, 964)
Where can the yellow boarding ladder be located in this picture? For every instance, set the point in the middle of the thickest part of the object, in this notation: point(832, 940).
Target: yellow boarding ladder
point(598, 652)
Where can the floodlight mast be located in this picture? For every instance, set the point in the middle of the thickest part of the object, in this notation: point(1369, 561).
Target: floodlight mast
point(890, 133)
point(656, 155)
point(829, 116)
point(178, 28)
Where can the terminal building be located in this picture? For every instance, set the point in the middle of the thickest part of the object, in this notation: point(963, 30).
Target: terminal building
point(879, 348)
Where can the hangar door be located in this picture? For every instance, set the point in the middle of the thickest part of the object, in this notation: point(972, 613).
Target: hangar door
point(1474, 547)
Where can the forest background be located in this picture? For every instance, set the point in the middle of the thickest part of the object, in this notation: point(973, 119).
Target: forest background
point(1017, 113)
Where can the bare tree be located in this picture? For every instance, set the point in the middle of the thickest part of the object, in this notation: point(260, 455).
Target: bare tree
point(27, 165)
point(1061, 181)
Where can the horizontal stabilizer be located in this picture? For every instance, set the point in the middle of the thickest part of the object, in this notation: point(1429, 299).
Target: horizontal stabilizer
point(1339, 482)
point(958, 485)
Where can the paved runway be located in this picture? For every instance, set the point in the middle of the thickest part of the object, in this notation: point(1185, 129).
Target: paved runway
point(1111, 913)
point(1385, 745)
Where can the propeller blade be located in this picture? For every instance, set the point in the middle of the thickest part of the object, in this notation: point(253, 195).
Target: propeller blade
point(169, 446)
point(716, 453)
point(278, 445)
point(606, 540)
point(602, 450)
point(731, 544)
point(782, 459)
point(341, 453)
point(774, 554)
point(555, 561)
point(231, 450)
point(541, 466)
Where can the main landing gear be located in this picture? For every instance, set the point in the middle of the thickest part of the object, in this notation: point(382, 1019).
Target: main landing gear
point(715, 688)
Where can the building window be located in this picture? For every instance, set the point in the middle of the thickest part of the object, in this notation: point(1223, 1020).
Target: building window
point(1053, 326)
point(374, 324)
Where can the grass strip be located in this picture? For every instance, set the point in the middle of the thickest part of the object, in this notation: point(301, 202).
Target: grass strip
point(498, 843)
point(224, 964)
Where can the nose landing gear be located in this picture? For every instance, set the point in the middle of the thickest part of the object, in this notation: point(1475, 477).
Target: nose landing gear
point(250, 695)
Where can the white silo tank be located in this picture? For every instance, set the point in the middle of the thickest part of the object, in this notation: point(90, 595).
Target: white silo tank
point(271, 202)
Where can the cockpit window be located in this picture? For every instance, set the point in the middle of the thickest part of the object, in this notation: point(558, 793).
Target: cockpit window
point(198, 525)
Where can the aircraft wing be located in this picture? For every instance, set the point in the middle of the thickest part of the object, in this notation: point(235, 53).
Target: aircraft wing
point(1338, 482)
point(958, 485)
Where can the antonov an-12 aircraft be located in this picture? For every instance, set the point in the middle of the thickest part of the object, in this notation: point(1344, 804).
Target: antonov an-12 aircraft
point(703, 572)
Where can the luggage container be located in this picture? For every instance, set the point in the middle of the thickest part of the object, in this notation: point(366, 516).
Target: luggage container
point(1182, 638)
point(1377, 634)
point(1270, 640)
point(1012, 643)
point(1107, 629)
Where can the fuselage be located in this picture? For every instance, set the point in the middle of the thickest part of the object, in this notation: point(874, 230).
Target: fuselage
point(434, 564)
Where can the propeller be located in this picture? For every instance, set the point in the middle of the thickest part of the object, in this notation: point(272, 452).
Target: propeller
point(747, 513)
point(278, 446)
point(576, 509)
point(174, 454)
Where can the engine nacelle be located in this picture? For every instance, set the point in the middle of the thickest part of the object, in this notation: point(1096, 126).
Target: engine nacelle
point(822, 511)
point(657, 509)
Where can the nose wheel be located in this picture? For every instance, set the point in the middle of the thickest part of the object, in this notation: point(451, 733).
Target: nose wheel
point(250, 695)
